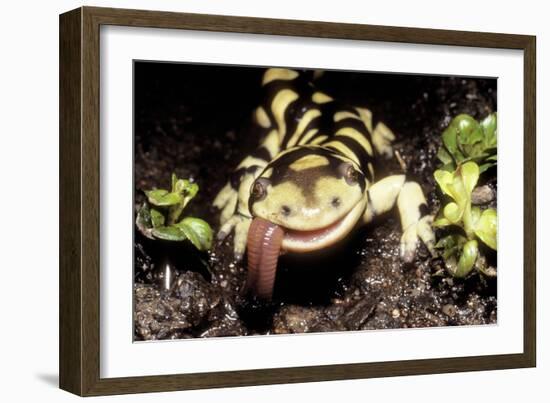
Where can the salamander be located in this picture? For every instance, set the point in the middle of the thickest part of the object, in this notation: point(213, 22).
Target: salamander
point(312, 179)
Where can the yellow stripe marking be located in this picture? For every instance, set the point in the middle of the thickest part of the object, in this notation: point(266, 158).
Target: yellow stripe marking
point(382, 138)
point(309, 134)
point(261, 118)
point(268, 173)
point(320, 98)
point(304, 121)
point(343, 149)
point(279, 74)
point(366, 117)
point(278, 107)
point(338, 116)
point(309, 161)
point(357, 136)
point(271, 142)
point(283, 152)
point(318, 140)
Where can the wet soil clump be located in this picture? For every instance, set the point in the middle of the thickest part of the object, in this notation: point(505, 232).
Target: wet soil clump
point(192, 120)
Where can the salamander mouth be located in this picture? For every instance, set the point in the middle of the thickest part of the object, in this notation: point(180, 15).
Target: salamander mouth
point(266, 240)
point(309, 241)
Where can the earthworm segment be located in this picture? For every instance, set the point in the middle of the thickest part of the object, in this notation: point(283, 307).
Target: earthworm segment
point(264, 245)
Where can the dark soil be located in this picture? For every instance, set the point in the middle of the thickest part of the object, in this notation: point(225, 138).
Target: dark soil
point(189, 120)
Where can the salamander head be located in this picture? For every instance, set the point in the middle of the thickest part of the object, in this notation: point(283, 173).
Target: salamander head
point(314, 194)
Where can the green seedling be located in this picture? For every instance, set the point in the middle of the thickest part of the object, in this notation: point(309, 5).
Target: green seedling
point(469, 149)
point(467, 225)
point(466, 139)
point(161, 216)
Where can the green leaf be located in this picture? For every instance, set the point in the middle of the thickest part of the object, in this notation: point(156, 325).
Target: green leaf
point(475, 213)
point(449, 137)
point(465, 139)
point(444, 179)
point(475, 151)
point(451, 245)
point(156, 193)
point(450, 241)
point(458, 190)
point(450, 167)
point(452, 184)
point(484, 146)
point(453, 212)
point(467, 259)
point(173, 180)
point(197, 231)
point(157, 218)
point(143, 220)
point(180, 186)
point(469, 130)
point(441, 222)
point(444, 156)
point(484, 167)
point(470, 175)
point(486, 228)
point(170, 233)
point(191, 190)
point(163, 198)
point(489, 126)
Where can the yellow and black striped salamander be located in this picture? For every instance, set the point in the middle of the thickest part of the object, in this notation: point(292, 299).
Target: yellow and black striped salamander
point(312, 181)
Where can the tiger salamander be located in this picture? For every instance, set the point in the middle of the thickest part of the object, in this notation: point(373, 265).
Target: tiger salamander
point(312, 180)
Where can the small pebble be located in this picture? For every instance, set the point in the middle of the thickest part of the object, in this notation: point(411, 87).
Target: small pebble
point(483, 195)
point(395, 313)
point(449, 310)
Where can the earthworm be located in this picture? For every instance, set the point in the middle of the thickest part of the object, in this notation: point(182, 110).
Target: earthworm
point(264, 245)
point(254, 252)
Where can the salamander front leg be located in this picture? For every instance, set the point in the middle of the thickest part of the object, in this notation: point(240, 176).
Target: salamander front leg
point(410, 203)
point(240, 224)
point(382, 137)
point(410, 200)
point(232, 200)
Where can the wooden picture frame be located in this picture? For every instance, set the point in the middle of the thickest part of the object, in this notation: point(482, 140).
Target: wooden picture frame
point(80, 184)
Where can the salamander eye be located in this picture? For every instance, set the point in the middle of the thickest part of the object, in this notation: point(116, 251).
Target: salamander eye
point(258, 191)
point(350, 174)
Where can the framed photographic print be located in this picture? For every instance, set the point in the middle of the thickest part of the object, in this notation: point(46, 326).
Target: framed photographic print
point(249, 201)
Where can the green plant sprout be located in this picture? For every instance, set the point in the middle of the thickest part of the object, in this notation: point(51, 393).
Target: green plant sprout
point(466, 139)
point(160, 217)
point(460, 248)
point(469, 149)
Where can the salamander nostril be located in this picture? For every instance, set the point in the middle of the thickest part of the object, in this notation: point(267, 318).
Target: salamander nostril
point(285, 210)
point(335, 201)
